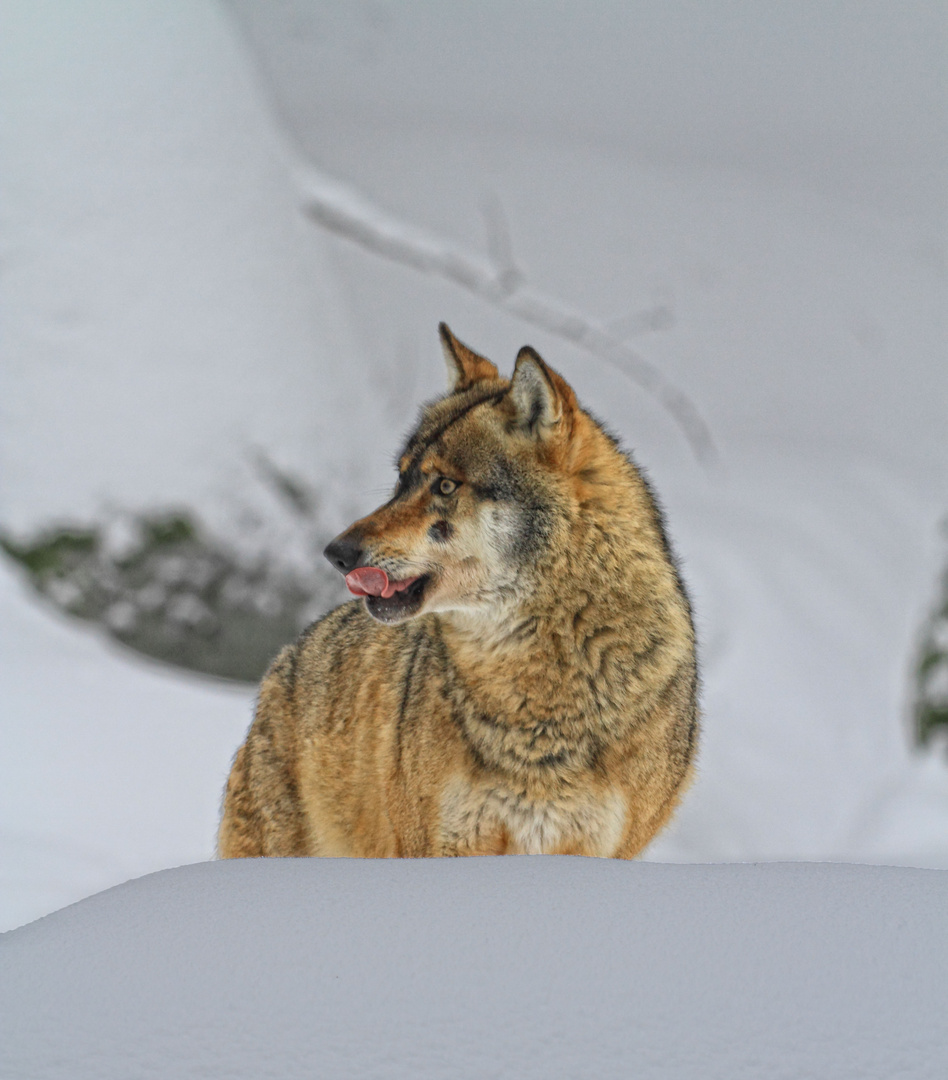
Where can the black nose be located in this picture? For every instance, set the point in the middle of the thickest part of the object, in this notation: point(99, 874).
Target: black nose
point(344, 553)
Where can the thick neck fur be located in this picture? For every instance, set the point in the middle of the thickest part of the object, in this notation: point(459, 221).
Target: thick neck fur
point(584, 649)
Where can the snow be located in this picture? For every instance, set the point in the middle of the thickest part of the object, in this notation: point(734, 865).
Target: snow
point(163, 293)
point(515, 966)
point(234, 228)
point(755, 207)
point(110, 768)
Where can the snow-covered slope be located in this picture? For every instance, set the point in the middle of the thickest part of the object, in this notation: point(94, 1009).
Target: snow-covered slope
point(514, 967)
point(166, 308)
point(110, 767)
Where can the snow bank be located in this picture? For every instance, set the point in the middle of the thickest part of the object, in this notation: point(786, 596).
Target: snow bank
point(166, 308)
point(111, 767)
point(513, 967)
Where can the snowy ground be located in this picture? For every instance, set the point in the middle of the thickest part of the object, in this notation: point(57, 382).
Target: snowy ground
point(754, 201)
point(118, 769)
point(511, 967)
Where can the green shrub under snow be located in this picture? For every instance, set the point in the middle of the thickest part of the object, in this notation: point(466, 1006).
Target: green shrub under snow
point(931, 699)
point(166, 586)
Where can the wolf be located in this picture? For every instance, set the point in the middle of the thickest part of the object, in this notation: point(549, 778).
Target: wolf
point(518, 674)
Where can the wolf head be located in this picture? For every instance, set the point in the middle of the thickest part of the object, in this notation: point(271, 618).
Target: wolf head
point(488, 484)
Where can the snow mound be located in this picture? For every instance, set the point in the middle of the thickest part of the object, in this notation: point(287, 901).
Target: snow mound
point(502, 967)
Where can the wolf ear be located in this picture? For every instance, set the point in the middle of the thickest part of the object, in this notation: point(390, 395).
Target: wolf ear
point(465, 367)
point(540, 396)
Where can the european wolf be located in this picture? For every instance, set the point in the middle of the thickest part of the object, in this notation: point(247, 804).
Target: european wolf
point(519, 674)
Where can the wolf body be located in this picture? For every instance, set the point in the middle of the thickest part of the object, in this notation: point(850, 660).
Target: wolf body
point(520, 674)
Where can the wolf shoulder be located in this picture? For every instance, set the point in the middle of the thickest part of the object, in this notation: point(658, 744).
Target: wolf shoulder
point(343, 655)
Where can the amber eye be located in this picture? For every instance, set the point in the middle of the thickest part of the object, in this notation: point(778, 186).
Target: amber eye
point(444, 486)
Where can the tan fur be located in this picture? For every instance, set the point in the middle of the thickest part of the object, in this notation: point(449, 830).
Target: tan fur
point(543, 697)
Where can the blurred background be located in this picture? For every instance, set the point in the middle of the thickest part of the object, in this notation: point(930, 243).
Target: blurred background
point(229, 230)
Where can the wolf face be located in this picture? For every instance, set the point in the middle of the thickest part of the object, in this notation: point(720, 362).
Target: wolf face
point(479, 500)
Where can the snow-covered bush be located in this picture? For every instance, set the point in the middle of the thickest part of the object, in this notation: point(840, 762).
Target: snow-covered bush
point(931, 700)
point(164, 584)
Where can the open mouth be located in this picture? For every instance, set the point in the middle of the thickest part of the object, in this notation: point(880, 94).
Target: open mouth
point(386, 600)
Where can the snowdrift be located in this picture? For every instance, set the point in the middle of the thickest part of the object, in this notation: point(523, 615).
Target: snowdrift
point(495, 967)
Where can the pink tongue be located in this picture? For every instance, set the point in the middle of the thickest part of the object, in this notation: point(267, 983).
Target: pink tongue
point(367, 581)
point(370, 581)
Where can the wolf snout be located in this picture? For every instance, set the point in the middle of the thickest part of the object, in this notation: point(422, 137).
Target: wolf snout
point(344, 552)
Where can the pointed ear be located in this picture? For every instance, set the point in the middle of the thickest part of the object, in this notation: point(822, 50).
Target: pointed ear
point(465, 367)
point(541, 397)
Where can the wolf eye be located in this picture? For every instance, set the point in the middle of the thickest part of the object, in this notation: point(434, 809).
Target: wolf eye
point(444, 486)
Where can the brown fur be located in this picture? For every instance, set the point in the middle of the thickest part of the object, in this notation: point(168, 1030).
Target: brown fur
point(543, 696)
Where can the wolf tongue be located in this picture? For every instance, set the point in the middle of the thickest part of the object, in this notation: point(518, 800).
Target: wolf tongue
point(371, 581)
point(368, 581)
